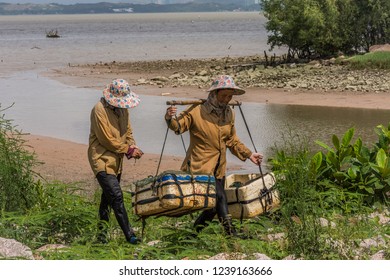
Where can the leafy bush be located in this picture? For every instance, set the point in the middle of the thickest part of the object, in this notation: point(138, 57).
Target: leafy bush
point(18, 188)
point(340, 185)
point(61, 217)
point(355, 168)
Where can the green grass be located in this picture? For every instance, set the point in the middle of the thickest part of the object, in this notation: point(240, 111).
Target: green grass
point(70, 219)
point(375, 60)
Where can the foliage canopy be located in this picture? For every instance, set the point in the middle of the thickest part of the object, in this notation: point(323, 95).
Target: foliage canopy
point(321, 28)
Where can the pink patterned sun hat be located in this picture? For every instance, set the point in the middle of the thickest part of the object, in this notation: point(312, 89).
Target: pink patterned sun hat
point(119, 94)
point(225, 82)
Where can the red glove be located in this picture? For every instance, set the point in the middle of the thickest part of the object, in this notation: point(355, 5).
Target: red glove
point(130, 152)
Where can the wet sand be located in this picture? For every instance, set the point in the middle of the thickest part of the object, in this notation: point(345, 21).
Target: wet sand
point(67, 162)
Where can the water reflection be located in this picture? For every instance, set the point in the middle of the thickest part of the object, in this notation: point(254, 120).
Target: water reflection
point(320, 123)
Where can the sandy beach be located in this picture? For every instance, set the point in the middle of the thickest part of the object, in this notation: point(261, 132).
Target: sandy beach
point(56, 154)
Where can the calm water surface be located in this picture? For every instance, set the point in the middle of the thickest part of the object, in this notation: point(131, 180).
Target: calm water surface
point(109, 37)
point(47, 107)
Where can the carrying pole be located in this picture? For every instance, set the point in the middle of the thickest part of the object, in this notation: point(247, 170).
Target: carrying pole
point(198, 102)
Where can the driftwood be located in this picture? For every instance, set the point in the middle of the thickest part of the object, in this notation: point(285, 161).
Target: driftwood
point(52, 34)
point(240, 67)
point(272, 61)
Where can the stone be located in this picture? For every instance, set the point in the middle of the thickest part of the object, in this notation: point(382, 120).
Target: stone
point(379, 255)
point(12, 249)
point(259, 256)
point(380, 48)
point(227, 256)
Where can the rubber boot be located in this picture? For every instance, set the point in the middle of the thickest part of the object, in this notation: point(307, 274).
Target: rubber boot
point(228, 226)
point(133, 240)
point(102, 236)
point(201, 221)
point(113, 196)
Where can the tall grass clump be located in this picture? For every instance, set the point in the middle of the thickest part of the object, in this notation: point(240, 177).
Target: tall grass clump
point(61, 217)
point(374, 60)
point(300, 208)
point(18, 188)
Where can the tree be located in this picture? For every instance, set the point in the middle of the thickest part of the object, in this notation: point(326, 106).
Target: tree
point(321, 28)
point(373, 22)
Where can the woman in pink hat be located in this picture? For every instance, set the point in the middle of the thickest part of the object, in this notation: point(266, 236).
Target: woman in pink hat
point(212, 132)
point(110, 139)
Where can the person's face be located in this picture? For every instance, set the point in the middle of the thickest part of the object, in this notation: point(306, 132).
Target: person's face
point(225, 95)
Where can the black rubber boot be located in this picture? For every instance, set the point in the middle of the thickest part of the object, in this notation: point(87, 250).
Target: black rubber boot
point(133, 240)
point(230, 229)
point(228, 226)
point(112, 196)
point(102, 236)
point(203, 219)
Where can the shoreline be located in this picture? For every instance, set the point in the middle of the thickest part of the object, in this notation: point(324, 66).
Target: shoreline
point(190, 78)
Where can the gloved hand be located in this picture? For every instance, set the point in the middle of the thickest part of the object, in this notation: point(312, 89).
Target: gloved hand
point(134, 152)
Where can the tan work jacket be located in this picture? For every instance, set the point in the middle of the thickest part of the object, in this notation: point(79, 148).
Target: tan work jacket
point(209, 138)
point(109, 139)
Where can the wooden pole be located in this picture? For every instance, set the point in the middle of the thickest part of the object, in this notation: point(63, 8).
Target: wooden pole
point(197, 102)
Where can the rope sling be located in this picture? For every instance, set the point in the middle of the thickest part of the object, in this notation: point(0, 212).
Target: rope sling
point(265, 192)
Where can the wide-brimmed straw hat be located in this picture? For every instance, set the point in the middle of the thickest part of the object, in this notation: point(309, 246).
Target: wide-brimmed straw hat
point(225, 82)
point(119, 94)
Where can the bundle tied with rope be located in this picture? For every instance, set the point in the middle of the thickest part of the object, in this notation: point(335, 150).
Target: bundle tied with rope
point(173, 194)
point(251, 195)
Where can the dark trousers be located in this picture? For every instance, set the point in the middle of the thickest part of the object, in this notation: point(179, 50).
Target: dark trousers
point(221, 210)
point(112, 197)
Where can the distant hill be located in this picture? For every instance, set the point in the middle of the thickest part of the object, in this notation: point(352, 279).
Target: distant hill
point(103, 7)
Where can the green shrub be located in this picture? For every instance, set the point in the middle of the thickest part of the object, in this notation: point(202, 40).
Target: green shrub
point(61, 217)
point(342, 184)
point(18, 188)
point(354, 169)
